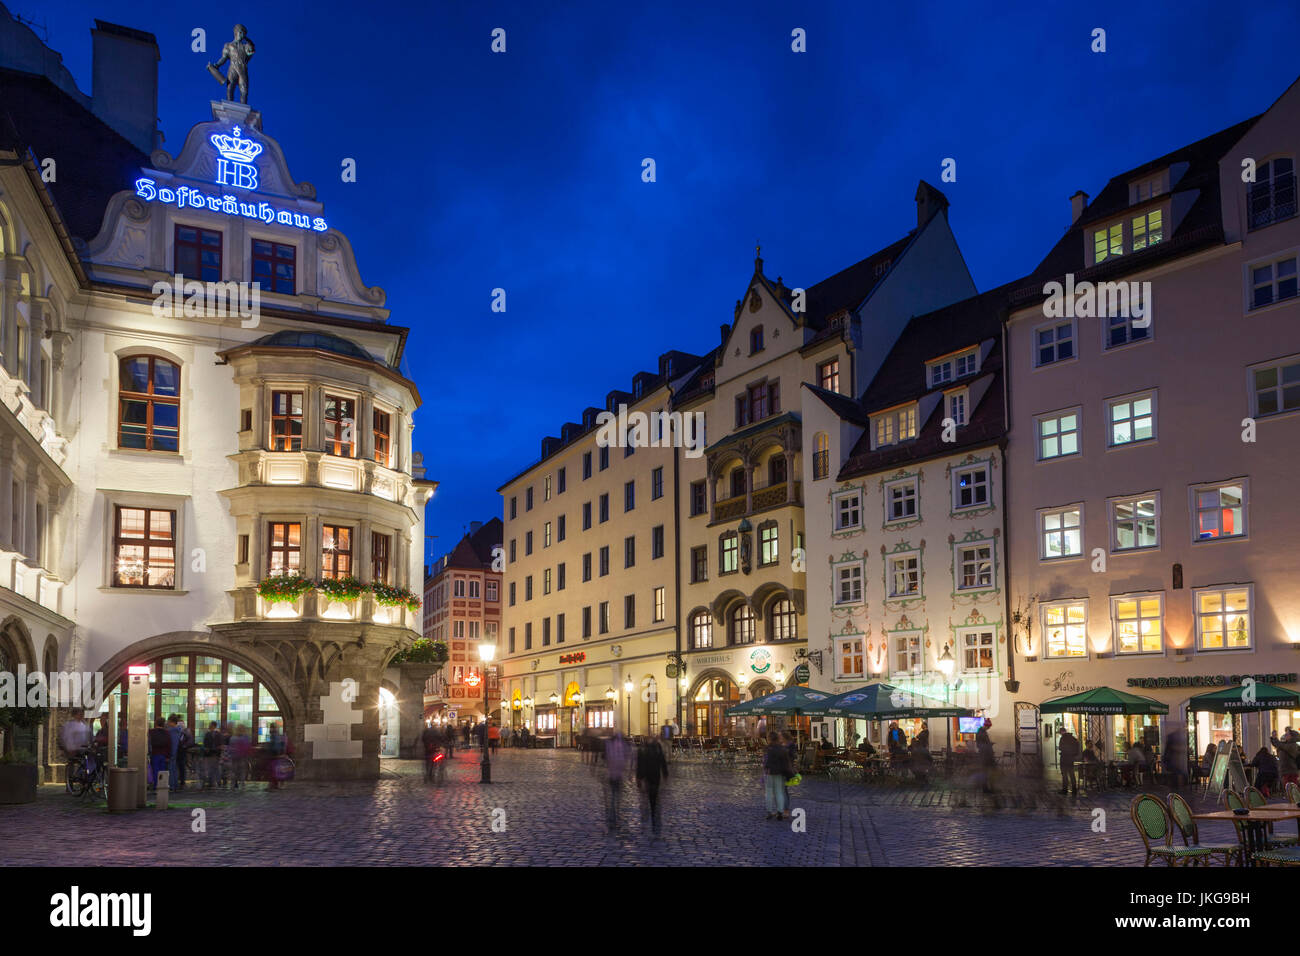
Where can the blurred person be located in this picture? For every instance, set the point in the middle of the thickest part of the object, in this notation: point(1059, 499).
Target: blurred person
point(241, 750)
point(988, 759)
point(651, 771)
point(1266, 771)
point(615, 766)
point(213, 744)
point(776, 770)
point(75, 734)
point(494, 736)
point(922, 762)
point(1288, 756)
point(160, 748)
point(1067, 746)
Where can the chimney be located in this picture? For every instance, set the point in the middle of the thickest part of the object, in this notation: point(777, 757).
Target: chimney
point(1078, 203)
point(725, 329)
point(124, 90)
point(929, 202)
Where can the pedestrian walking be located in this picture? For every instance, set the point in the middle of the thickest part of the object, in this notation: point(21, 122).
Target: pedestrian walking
point(897, 738)
point(75, 734)
point(176, 732)
point(212, 747)
point(615, 766)
point(494, 737)
point(1067, 746)
point(464, 735)
point(432, 740)
point(666, 739)
point(761, 733)
point(776, 770)
point(988, 760)
point(1288, 757)
point(922, 762)
point(277, 747)
point(1266, 771)
point(651, 771)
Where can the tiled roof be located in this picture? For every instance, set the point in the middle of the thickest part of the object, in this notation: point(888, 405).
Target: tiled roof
point(1200, 226)
point(902, 379)
point(93, 160)
point(849, 287)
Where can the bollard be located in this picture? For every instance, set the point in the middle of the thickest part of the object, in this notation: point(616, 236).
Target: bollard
point(160, 797)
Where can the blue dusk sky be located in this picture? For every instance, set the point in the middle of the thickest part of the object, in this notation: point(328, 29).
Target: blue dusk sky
point(522, 170)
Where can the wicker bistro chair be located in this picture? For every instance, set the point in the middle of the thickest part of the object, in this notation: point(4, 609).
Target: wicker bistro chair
point(1153, 825)
point(1256, 799)
point(1293, 793)
point(1284, 856)
point(1181, 814)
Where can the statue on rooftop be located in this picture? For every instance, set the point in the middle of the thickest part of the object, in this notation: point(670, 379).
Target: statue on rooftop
point(237, 53)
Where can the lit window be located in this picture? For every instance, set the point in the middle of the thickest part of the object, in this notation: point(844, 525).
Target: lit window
point(1223, 618)
point(1108, 241)
point(904, 575)
point(1148, 229)
point(743, 626)
point(701, 630)
point(1065, 629)
point(1139, 624)
point(729, 553)
point(976, 651)
point(821, 457)
point(974, 567)
point(284, 556)
point(828, 374)
point(767, 544)
point(1061, 532)
point(783, 623)
point(144, 548)
point(1220, 511)
point(336, 552)
point(907, 653)
point(1058, 435)
point(1132, 420)
point(1135, 523)
point(340, 426)
point(850, 657)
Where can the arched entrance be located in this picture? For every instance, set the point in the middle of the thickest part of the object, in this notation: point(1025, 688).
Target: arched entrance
point(204, 688)
point(715, 693)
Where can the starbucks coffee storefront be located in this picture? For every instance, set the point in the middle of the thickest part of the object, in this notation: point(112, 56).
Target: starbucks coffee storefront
point(1177, 738)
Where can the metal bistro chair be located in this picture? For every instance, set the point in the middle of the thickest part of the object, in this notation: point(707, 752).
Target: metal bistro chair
point(1287, 856)
point(1256, 799)
point(1181, 814)
point(1153, 825)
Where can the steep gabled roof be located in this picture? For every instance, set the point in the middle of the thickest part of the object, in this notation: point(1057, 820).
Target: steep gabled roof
point(93, 160)
point(486, 538)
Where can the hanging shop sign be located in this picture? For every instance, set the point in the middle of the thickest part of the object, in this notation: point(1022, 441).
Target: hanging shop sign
point(1209, 680)
point(234, 169)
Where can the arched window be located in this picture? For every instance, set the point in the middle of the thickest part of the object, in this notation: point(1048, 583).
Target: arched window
point(743, 630)
point(821, 456)
point(782, 623)
point(149, 404)
point(203, 689)
point(701, 630)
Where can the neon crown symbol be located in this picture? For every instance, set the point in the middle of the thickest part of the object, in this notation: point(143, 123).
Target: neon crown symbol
point(234, 148)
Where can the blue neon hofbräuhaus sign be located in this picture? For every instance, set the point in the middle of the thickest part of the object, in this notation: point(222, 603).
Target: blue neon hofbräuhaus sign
point(234, 168)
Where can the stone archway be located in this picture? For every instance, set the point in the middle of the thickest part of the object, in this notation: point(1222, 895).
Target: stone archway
point(390, 718)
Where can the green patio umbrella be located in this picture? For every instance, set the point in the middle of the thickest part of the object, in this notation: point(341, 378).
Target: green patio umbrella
point(799, 701)
point(886, 702)
point(1232, 700)
point(1103, 700)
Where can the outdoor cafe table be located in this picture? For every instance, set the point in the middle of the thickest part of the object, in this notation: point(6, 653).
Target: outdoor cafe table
point(1254, 822)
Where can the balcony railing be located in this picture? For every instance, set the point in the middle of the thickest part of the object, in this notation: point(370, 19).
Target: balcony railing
point(769, 496)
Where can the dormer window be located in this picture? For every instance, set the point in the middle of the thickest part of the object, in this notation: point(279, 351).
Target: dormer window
point(1272, 195)
point(1128, 235)
point(956, 403)
point(1144, 189)
point(895, 426)
point(637, 388)
point(756, 339)
point(953, 367)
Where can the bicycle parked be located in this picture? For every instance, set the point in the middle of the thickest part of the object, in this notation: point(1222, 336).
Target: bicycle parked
point(435, 768)
point(86, 772)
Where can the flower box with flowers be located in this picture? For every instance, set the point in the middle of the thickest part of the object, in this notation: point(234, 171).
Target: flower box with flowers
point(283, 588)
point(341, 589)
point(386, 596)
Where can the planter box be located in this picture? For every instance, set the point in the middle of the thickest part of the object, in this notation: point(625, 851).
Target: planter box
point(18, 782)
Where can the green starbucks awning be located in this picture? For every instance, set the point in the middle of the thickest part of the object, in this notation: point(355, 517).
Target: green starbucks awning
point(1237, 700)
point(1103, 700)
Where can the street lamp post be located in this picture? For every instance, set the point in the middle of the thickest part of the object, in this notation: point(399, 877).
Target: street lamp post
point(486, 652)
point(946, 664)
point(627, 695)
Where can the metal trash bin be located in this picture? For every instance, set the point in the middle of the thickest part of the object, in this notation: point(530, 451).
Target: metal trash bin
point(123, 788)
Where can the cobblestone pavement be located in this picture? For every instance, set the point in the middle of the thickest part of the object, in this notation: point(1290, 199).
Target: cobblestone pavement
point(554, 815)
